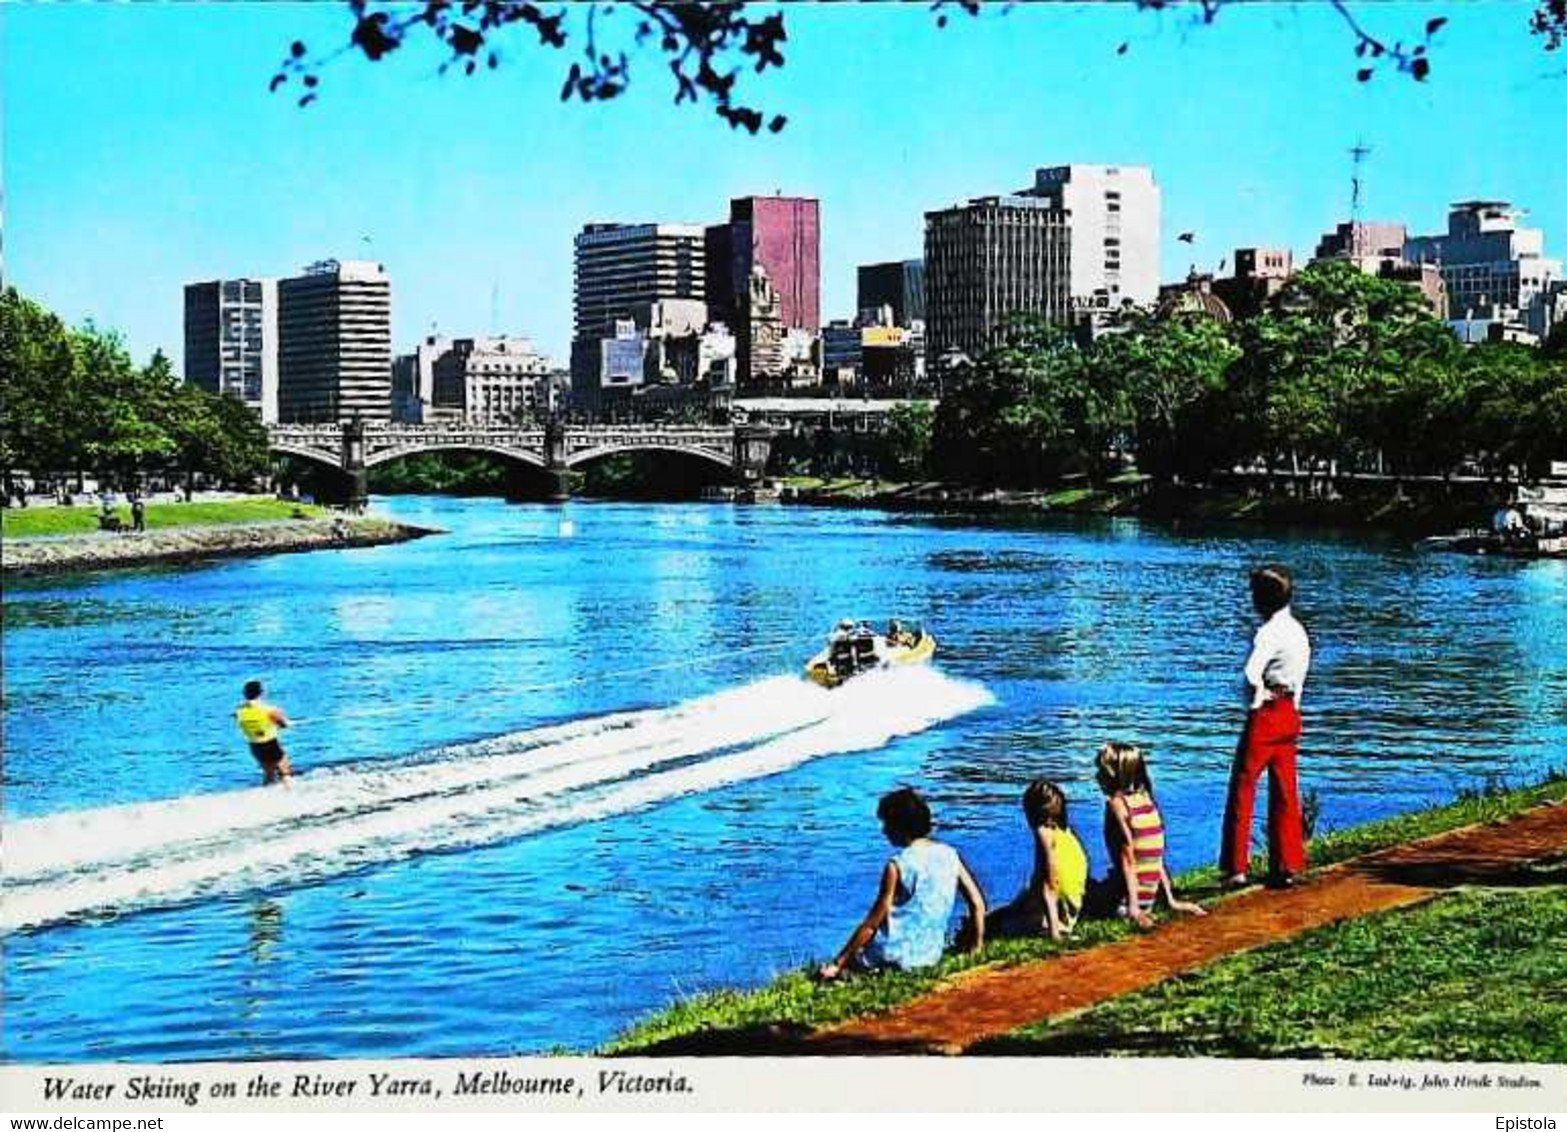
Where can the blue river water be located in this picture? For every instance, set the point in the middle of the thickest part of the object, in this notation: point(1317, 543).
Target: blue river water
point(559, 769)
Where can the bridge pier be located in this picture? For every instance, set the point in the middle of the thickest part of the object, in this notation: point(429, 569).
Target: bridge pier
point(351, 489)
point(555, 460)
point(753, 445)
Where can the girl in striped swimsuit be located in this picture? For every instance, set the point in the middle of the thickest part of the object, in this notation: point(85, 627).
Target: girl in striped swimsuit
point(1134, 834)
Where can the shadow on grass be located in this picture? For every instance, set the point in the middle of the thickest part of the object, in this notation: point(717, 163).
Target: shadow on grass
point(1101, 1043)
point(1454, 873)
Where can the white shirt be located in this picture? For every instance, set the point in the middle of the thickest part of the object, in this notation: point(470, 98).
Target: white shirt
point(1280, 656)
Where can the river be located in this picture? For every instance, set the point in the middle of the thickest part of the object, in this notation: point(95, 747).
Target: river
point(558, 769)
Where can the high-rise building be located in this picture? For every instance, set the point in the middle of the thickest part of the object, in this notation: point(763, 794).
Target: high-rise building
point(1113, 218)
point(335, 343)
point(1493, 268)
point(231, 341)
point(620, 267)
point(988, 260)
point(783, 236)
point(899, 285)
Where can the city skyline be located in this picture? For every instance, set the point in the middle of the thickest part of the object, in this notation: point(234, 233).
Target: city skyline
point(175, 164)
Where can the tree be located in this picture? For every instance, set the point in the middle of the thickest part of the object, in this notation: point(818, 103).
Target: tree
point(1322, 365)
point(910, 429)
point(1517, 406)
point(114, 406)
point(1167, 368)
point(74, 400)
point(1026, 412)
point(39, 367)
point(706, 46)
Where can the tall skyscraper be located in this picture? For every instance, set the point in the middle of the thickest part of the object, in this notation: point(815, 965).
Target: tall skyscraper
point(987, 260)
point(231, 341)
point(335, 343)
point(620, 267)
point(779, 239)
point(1113, 224)
point(899, 285)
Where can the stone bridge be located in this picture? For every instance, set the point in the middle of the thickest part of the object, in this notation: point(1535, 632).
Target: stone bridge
point(354, 447)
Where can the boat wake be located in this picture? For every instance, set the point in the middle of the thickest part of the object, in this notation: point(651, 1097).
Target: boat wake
point(124, 858)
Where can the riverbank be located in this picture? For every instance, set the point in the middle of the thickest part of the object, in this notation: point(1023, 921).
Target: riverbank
point(1378, 506)
point(796, 1014)
point(205, 538)
point(39, 522)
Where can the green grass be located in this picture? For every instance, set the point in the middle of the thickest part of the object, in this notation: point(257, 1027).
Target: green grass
point(1476, 975)
point(1074, 497)
point(795, 998)
point(35, 521)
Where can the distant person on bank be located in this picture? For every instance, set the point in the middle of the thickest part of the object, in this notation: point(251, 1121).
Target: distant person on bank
point(906, 927)
point(261, 722)
point(1275, 678)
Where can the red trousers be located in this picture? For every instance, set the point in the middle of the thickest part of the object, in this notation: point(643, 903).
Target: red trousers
point(1270, 742)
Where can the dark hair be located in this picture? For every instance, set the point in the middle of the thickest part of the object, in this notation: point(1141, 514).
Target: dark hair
point(1044, 804)
point(1122, 769)
point(905, 815)
point(1272, 587)
point(252, 689)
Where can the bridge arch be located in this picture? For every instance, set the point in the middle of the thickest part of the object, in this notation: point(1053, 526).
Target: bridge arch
point(313, 455)
point(588, 456)
point(401, 452)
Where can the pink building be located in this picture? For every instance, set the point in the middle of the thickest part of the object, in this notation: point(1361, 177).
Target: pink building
point(780, 234)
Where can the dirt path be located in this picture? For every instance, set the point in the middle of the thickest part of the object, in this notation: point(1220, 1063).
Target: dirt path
point(990, 1002)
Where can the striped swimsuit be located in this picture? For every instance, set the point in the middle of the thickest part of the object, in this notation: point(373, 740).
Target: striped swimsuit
point(1147, 845)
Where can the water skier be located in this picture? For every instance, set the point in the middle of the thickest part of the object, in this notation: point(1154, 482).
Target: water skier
point(261, 722)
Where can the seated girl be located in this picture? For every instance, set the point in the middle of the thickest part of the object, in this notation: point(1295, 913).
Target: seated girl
point(1134, 835)
point(906, 927)
point(1054, 897)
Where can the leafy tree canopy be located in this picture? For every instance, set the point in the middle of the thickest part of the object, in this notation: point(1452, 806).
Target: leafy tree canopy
point(708, 46)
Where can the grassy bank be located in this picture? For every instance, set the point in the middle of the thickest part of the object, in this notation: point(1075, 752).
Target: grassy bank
point(795, 1001)
point(1475, 975)
point(33, 522)
point(1136, 495)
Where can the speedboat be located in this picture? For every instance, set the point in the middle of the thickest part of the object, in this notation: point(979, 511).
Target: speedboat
point(855, 652)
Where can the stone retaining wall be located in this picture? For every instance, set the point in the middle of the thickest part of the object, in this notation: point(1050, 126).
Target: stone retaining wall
point(190, 544)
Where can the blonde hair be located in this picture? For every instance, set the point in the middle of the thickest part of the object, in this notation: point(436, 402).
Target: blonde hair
point(1122, 769)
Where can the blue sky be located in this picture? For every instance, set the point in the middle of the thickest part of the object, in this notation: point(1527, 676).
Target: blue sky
point(142, 149)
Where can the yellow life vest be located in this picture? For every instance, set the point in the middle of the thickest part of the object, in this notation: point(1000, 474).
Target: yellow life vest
point(255, 720)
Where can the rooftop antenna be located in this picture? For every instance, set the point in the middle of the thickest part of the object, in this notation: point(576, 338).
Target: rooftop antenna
point(1357, 155)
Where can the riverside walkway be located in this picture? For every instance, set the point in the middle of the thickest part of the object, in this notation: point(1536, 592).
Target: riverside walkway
point(990, 1002)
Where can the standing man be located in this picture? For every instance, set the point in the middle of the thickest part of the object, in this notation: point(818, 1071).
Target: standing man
point(261, 722)
point(138, 513)
point(1275, 677)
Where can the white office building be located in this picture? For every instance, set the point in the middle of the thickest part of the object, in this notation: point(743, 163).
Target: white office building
point(1113, 225)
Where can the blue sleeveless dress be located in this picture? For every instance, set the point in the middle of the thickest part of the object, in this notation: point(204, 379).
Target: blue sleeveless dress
point(915, 933)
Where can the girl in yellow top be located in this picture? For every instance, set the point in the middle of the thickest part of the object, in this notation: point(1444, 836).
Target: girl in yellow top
point(1134, 834)
point(1054, 897)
